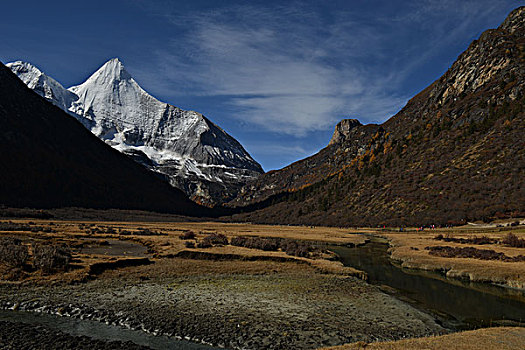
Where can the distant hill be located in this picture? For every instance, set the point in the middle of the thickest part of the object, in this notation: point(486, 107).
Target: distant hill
point(455, 152)
point(48, 159)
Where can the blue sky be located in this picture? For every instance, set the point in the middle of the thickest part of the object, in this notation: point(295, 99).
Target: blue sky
point(277, 75)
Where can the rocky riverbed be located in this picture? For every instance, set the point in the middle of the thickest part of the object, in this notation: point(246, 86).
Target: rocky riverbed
point(299, 309)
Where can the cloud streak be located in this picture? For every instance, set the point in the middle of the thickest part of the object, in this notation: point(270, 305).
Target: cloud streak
point(297, 69)
point(279, 69)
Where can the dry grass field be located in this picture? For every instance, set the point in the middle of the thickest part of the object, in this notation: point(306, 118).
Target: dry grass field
point(124, 243)
point(501, 338)
point(97, 245)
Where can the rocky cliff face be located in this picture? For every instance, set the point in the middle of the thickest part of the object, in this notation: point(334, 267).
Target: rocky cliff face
point(455, 152)
point(343, 131)
point(196, 155)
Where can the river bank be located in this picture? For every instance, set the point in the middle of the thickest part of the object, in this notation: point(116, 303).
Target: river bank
point(458, 305)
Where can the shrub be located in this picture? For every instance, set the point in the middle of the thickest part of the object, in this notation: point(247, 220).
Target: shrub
point(218, 239)
point(239, 241)
point(471, 252)
point(147, 232)
point(51, 258)
point(13, 226)
point(267, 244)
point(291, 247)
point(296, 248)
point(13, 252)
point(205, 243)
point(187, 235)
point(471, 240)
point(139, 232)
point(513, 241)
point(92, 229)
point(482, 240)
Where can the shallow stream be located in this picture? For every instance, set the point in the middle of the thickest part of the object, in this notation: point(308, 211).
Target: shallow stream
point(456, 304)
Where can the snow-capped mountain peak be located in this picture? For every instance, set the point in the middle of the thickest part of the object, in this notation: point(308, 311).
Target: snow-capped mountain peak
point(111, 72)
point(112, 96)
point(196, 155)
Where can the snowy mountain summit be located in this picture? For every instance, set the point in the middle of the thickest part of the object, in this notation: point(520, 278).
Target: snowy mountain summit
point(195, 154)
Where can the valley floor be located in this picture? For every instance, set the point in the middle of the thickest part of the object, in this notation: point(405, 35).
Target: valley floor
point(224, 295)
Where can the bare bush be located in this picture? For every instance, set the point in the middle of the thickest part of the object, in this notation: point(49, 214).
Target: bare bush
point(205, 243)
point(51, 258)
point(217, 239)
point(291, 247)
point(13, 226)
point(13, 252)
point(148, 232)
point(239, 241)
point(471, 240)
point(296, 248)
point(138, 232)
point(267, 244)
point(513, 241)
point(187, 235)
point(93, 230)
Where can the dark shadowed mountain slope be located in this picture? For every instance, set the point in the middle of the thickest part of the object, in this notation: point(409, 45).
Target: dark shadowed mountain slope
point(48, 159)
point(455, 152)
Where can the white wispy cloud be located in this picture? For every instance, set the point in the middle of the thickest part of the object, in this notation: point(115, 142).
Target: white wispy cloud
point(265, 148)
point(288, 69)
point(280, 69)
